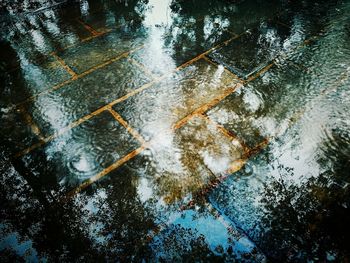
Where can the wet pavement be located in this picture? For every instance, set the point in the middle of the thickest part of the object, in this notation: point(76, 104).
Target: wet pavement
point(171, 131)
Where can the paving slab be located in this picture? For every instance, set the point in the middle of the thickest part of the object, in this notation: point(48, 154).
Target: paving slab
point(16, 132)
point(255, 49)
point(261, 108)
point(161, 106)
point(79, 154)
point(30, 79)
point(156, 185)
point(98, 50)
point(56, 110)
point(240, 198)
point(199, 232)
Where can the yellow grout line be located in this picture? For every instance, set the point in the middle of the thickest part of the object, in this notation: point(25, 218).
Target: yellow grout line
point(259, 73)
point(134, 133)
point(144, 146)
point(111, 104)
point(64, 65)
point(205, 107)
point(225, 132)
point(234, 167)
point(231, 32)
point(104, 172)
point(142, 67)
point(226, 70)
point(79, 76)
point(281, 23)
point(59, 133)
point(29, 120)
point(88, 27)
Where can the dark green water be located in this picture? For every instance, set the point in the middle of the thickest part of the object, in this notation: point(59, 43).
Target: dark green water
point(175, 131)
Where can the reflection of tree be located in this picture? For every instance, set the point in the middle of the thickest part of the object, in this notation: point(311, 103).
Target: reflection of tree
point(125, 221)
point(178, 244)
point(55, 228)
point(68, 231)
point(310, 221)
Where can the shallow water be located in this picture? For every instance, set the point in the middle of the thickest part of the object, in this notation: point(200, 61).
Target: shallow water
point(175, 131)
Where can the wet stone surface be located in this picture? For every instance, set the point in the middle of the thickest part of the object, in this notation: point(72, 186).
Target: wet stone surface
point(112, 45)
point(136, 207)
point(79, 154)
point(184, 40)
point(262, 107)
point(29, 80)
point(58, 109)
point(177, 96)
point(174, 131)
point(16, 132)
point(260, 46)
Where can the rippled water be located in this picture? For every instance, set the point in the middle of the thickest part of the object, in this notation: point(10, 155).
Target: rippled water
point(172, 130)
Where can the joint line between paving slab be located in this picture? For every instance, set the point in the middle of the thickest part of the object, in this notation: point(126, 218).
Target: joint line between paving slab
point(142, 67)
point(104, 172)
point(119, 118)
point(225, 132)
point(119, 163)
point(111, 104)
point(89, 28)
point(259, 73)
point(226, 69)
point(29, 120)
point(234, 167)
point(78, 76)
point(65, 66)
point(205, 107)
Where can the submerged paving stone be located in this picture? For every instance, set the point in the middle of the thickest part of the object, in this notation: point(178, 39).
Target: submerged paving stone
point(185, 162)
point(16, 133)
point(111, 45)
point(255, 49)
point(30, 79)
point(262, 108)
point(146, 194)
point(239, 198)
point(177, 166)
point(118, 15)
point(119, 202)
point(39, 35)
point(79, 154)
point(58, 109)
point(161, 106)
point(249, 14)
point(183, 40)
point(307, 18)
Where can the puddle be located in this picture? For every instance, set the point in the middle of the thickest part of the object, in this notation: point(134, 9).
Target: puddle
point(170, 131)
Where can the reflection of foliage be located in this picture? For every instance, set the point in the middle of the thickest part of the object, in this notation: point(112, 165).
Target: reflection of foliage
point(310, 221)
point(55, 229)
point(64, 231)
point(178, 244)
point(124, 219)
